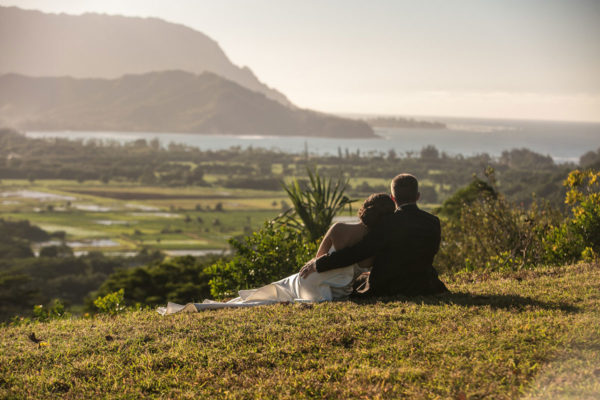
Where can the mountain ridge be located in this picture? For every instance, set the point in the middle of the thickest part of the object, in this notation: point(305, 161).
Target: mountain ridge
point(167, 101)
point(95, 45)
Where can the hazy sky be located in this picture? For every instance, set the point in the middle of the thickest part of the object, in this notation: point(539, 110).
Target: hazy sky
point(483, 58)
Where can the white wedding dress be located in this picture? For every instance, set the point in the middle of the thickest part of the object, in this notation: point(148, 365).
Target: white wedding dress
point(326, 286)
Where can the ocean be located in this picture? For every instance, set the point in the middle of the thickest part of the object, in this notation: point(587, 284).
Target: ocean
point(563, 141)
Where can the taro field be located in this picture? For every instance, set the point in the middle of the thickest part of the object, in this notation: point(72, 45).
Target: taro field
point(121, 217)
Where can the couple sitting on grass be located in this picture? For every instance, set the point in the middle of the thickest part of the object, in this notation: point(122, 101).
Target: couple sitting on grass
point(390, 252)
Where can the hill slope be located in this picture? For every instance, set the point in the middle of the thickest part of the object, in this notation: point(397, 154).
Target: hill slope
point(168, 101)
point(109, 46)
point(531, 334)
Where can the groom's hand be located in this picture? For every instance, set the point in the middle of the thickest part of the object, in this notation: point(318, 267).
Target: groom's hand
point(308, 269)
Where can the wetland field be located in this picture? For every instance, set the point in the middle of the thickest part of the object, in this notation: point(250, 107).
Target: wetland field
point(123, 217)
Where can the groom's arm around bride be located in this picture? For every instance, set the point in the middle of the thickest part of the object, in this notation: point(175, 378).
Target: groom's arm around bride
point(403, 245)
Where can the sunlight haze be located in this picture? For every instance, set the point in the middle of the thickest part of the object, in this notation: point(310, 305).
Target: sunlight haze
point(495, 59)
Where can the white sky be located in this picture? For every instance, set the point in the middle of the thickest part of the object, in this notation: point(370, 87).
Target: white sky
point(529, 59)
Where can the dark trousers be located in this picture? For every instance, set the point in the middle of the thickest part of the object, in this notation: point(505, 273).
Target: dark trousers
point(433, 285)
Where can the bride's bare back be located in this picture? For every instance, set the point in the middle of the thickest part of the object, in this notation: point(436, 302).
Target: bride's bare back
point(342, 235)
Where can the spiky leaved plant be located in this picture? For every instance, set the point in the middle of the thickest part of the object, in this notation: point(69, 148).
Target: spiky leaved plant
point(314, 207)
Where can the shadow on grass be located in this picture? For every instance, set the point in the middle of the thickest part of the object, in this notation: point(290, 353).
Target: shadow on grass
point(496, 301)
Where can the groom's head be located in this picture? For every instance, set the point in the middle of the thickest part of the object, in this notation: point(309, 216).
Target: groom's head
point(405, 189)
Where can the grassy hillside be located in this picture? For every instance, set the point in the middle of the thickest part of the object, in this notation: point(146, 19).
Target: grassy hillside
point(529, 334)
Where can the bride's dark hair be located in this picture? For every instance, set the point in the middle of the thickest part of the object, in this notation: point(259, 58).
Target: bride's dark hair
point(375, 208)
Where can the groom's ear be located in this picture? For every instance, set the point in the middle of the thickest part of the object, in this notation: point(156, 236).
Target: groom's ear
point(418, 196)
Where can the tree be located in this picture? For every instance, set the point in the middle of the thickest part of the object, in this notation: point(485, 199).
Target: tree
point(476, 190)
point(430, 152)
point(56, 251)
point(590, 158)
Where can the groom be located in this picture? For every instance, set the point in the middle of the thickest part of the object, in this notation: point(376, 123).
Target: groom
point(403, 245)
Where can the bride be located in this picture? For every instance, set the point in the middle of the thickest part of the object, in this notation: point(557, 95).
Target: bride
point(330, 285)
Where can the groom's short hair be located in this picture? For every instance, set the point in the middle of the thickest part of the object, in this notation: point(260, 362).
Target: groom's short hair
point(405, 189)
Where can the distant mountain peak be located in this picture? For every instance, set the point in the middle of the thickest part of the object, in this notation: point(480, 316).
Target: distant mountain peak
point(95, 45)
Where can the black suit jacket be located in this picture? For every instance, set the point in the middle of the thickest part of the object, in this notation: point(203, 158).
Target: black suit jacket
point(404, 246)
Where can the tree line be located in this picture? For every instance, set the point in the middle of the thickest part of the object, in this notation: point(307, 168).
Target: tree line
point(519, 172)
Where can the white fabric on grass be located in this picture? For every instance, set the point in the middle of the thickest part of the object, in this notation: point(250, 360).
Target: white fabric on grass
point(317, 287)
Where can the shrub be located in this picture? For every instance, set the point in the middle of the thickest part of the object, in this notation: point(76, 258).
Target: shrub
point(56, 251)
point(273, 252)
point(55, 310)
point(583, 196)
point(476, 190)
point(492, 233)
point(112, 303)
point(579, 235)
point(482, 230)
point(562, 244)
point(178, 279)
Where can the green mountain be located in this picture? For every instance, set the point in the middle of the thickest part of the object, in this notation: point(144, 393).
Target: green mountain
point(109, 46)
point(168, 101)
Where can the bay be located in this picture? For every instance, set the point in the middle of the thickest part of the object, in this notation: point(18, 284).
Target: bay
point(563, 141)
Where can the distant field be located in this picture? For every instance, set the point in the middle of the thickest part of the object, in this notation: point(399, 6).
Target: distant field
point(124, 216)
point(131, 216)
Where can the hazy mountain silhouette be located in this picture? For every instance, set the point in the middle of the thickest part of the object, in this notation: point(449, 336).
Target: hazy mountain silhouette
point(167, 101)
point(106, 46)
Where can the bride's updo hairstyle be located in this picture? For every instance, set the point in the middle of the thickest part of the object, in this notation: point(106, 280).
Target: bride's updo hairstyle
point(376, 207)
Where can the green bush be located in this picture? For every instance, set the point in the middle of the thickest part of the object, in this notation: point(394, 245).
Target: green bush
point(56, 251)
point(491, 233)
point(476, 190)
point(267, 255)
point(578, 236)
point(112, 303)
point(562, 244)
point(55, 310)
point(482, 230)
point(179, 279)
point(584, 198)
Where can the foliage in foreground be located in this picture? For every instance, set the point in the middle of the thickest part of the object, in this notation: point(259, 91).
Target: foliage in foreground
point(531, 334)
point(25, 282)
point(265, 256)
point(484, 231)
point(179, 279)
point(314, 206)
point(112, 303)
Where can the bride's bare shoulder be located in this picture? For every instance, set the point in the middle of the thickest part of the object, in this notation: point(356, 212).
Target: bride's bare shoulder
point(343, 233)
point(347, 226)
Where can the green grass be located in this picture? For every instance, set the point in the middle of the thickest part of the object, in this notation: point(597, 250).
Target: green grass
point(529, 334)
